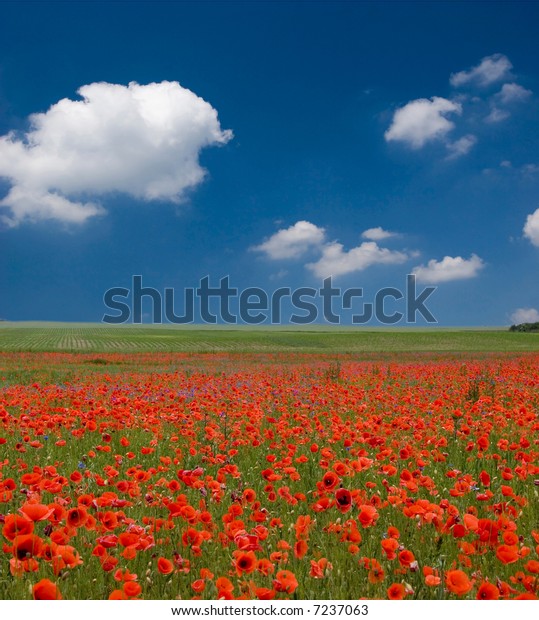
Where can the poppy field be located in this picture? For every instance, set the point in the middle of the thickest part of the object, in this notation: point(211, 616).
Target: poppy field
point(269, 476)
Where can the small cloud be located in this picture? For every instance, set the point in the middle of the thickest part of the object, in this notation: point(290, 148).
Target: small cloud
point(279, 275)
point(292, 242)
point(461, 147)
point(33, 205)
point(377, 234)
point(525, 315)
point(448, 269)
point(421, 121)
point(506, 164)
point(530, 170)
point(497, 116)
point(140, 140)
point(531, 228)
point(491, 69)
point(335, 261)
point(511, 93)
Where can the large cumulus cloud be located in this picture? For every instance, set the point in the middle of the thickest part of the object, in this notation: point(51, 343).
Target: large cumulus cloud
point(140, 140)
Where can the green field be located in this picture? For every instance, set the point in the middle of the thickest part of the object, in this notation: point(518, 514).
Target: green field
point(97, 338)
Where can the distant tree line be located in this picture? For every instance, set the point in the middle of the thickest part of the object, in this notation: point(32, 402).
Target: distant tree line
point(525, 327)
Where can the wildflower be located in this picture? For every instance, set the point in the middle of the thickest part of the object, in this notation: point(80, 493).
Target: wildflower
point(367, 515)
point(300, 549)
point(244, 562)
point(76, 517)
point(27, 546)
point(15, 525)
point(487, 592)
point(507, 554)
point(343, 499)
point(396, 592)
point(198, 585)
point(285, 581)
point(35, 511)
point(457, 582)
point(532, 566)
point(320, 568)
point(132, 589)
point(330, 480)
point(46, 590)
point(164, 566)
point(406, 558)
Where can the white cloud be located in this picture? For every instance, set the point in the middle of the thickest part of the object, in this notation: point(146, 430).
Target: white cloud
point(335, 261)
point(511, 93)
point(462, 146)
point(525, 315)
point(377, 234)
point(530, 169)
point(491, 69)
point(32, 205)
point(531, 228)
point(421, 121)
point(496, 115)
point(292, 242)
point(449, 268)
point(332, 258)
point(141, 140)
point(508, 95)
point(279, 275)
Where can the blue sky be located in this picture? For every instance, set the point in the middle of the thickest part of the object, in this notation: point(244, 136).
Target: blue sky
point(274, 142)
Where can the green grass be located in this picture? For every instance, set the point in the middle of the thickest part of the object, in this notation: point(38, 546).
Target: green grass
point(97, 338)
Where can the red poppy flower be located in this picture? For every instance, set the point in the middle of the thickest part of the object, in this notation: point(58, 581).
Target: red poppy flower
point(320, 568)
point(343, 500)
point(396, 592)
point(457, 582)
point(76, 517)
point(264, 594)
point(532, 566)
point(487, 592)
point(507, 554)
point(164, 566)
point(35, 511)
point(300, 549)
point(376, 573)
point(390, 546)
point(406, 558)
point(285, 581)
point(27, 546)
point(223, 584)
point(199, 585)
point(367, 515)
point(132, 589)
point(330, 480)
point(15, 525)
point(245, 562)
point(46, 590)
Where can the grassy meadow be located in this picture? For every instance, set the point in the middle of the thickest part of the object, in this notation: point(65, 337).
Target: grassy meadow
point(94, 338)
